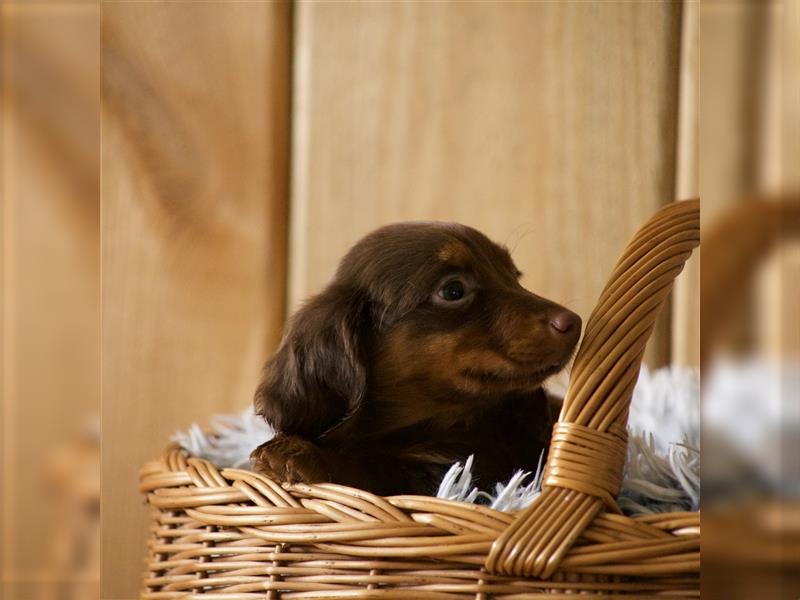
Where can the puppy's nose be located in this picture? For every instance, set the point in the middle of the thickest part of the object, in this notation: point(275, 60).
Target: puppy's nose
point(565, 321)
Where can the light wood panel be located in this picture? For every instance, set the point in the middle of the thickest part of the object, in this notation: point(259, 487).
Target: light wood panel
point(747, 134)
point(195, 149)
point(729, 58)
point(685, 327)
point(732, 75)
point(788, 26)
point(780, 169)
point(550, 126)
point(50, 298)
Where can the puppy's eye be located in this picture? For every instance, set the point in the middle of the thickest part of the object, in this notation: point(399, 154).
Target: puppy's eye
point(452, 291)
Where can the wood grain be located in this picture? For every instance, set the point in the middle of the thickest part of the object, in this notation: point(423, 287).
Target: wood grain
point(685, 327)
point(550, 126)
point(195, 149)
point(50, 296)
point(779, 316)
point(747, 139)
point(789, 26)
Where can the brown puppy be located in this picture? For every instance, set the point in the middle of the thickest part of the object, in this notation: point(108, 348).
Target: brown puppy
point(423, 349)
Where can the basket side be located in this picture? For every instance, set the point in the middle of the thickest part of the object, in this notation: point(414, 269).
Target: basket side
point(234, 534)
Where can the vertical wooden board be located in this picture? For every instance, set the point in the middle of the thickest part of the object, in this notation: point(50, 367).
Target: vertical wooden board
point(789, 31)
point(50, 296)
point(685, 326)
point(194, 193)
point(549, 126)
point(743, 132)
point(790, 172)
point(780, 170)
point(732, 78)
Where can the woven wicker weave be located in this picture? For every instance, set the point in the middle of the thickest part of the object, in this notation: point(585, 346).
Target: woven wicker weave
point(235, 535)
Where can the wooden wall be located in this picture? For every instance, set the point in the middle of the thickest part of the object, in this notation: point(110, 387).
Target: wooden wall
point(50, 279)
point(481, 114)
point(194, 200)
point(685, 326)
point(247, 145)
point(748, 141)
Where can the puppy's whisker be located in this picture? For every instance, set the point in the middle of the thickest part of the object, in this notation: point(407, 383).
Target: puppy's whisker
point(531, 228)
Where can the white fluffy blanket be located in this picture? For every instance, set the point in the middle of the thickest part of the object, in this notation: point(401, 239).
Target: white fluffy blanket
point(662, 472)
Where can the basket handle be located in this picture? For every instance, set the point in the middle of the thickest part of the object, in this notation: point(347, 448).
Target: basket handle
point(588, 447)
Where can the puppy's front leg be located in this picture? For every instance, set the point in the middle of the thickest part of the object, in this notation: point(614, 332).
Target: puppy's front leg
point(292, 459)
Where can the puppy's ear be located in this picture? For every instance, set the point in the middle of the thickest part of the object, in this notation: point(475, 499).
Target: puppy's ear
point(318, 376)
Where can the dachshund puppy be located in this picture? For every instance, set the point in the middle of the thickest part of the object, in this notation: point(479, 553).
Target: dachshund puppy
point(423, 349)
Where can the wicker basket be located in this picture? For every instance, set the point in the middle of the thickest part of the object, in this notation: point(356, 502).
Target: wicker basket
point(235, 535)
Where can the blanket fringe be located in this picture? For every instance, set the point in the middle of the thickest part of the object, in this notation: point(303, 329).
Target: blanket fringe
point(661, 474)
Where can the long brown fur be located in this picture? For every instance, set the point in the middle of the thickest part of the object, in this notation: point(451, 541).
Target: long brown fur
point(384, 379)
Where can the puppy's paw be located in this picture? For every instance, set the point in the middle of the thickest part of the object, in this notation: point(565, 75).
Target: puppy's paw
point(290, 459)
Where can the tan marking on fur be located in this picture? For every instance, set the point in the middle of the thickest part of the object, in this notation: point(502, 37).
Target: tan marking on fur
point(444, 355)
point(485, 360)
point(455, 253)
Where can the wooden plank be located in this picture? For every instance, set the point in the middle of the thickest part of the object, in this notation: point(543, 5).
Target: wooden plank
point(50, 296)
point(549, 126)
point(789, 26)
point(195, 149)
point(685, 327)
point(779, 170)
point(747, 138)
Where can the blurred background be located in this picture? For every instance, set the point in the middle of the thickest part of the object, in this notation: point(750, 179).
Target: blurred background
point(247, 145)
point(50, 273)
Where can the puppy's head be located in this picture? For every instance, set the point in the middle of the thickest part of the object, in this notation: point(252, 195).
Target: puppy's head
point(415, 308)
